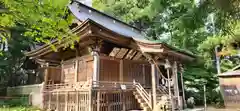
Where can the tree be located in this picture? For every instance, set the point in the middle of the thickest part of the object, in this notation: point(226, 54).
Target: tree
point(43, 20)
point(24, 23)
point(185, 24)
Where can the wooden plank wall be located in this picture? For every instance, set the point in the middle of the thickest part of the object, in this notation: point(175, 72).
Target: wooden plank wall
point(109, 69)
point(138, 71)
point(84, 69)
point(68, 71)
point(54, 75)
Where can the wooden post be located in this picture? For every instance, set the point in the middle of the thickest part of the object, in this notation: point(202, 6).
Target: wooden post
point(66, 101)
point(144, 81)
point(168, 66)
point(98, 100)
point(121, 70)
point(123, 100)
point(77, 101)
point(49, 100)
point(57, 101)
point(96, 66)
point(46, 74)
point(62, 71)
point(76, 70)
point(183, 91)
point(175, 80)
point(76, 66)
point(154, 90)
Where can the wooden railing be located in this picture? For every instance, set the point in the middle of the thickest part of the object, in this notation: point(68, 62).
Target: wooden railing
point(112, 85)
point(162, 89)
point(67, 86)
point(144, 94)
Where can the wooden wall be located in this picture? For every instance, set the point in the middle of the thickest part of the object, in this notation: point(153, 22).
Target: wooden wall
point(138, 71)
point(110, 70)
point(68, 70)
point(54, 75)
point(84, 69)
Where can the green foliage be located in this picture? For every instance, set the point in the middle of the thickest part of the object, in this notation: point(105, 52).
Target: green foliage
point(27, 22)
point(21, 101)
point(185, 24)
point(43, 20)
point(19, 108)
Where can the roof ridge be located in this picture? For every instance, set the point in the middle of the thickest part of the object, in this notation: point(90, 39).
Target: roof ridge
point(107, 15)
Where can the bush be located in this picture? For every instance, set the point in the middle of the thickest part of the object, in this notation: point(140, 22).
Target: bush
point(21, 101)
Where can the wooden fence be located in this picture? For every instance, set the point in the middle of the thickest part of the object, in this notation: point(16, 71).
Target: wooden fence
point(90, 100)
point(67, 100)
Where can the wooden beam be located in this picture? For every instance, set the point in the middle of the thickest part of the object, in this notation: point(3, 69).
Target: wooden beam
point(130, 54)
point(122, 53)
point(137, 56)
point(114, 52)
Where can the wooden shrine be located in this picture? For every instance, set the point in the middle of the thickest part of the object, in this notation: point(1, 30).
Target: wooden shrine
point(111, 68)
point(229, 83)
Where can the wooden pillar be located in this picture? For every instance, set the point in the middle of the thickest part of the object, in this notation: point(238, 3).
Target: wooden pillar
point(76, 66)
point(154, 90)
point(96, 66)
point(57, 101)
point(144, 78)
point(77, 101)
point(90, 100)
point(66, 101)
point(175, 81)
point(98, 100)
point(46, 74)
point(183, 91)
point(168, 66)
point(62, 72)
point(76, 70)
point(49, 100)
point(121, 70)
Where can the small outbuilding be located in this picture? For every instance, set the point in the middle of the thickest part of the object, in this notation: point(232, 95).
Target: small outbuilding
point(230, 87)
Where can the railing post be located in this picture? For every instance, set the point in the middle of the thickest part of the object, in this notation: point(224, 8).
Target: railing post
point(151, 99)
point(49, 100)
point(134, 82)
